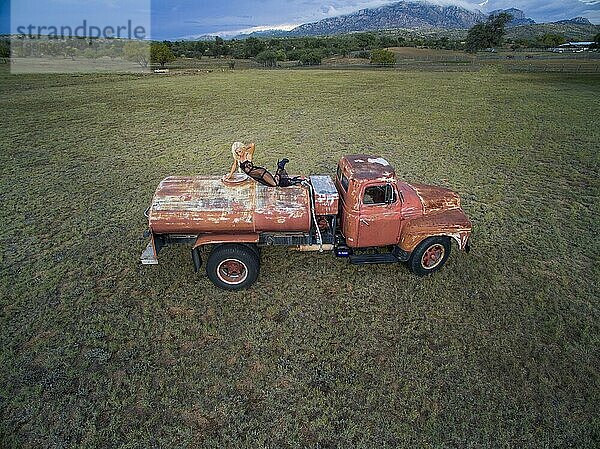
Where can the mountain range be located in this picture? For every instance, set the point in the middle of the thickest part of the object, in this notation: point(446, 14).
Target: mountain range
point(408, 15)
point(575, 21)
point(518, 17)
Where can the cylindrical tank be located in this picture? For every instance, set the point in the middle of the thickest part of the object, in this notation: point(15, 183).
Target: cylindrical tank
point(201, 204)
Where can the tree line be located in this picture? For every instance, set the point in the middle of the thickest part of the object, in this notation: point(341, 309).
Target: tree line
point(270, 51)
point(311, 50)
point(306, 50)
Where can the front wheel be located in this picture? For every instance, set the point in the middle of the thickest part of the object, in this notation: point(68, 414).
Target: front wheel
point(233, 266)
point(430, 255)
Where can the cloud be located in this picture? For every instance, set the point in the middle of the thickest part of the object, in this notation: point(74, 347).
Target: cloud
point(472, 5)
point(253, 29)
point(229, 21)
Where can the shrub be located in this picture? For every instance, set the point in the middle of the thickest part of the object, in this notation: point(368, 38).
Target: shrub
point(311, 57)
point(268, 58)
point(4, 48)
point(382, 57)
point(161, 53)
point(281, 56)
point(489, 34)
point(552, 40)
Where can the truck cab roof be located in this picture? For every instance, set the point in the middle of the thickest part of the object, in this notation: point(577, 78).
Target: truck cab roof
point(367, 167)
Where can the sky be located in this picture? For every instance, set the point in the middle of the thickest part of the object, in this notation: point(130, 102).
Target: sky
point(176, 19)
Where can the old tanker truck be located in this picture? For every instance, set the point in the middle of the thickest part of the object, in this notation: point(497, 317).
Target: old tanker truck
point(366, 215)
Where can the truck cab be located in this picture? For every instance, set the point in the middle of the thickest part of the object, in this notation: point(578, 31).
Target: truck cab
point(372, 201)
point(378, 210)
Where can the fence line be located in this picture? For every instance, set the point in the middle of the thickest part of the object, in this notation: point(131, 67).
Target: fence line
point(463, 67)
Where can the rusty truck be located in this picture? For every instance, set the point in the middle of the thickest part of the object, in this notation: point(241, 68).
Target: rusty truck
point(365, 214)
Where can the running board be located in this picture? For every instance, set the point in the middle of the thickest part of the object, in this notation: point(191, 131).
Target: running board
point(397, 255)
point(363, 259)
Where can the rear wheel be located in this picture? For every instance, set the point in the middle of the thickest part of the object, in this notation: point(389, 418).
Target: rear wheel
point(430, 255)
point(253, 247)
point(233, 266)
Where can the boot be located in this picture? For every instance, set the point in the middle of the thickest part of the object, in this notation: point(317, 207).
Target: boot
point(281, 164)
point(288, 182)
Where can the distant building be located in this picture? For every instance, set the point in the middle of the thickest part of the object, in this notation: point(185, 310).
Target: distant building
point(573, 47)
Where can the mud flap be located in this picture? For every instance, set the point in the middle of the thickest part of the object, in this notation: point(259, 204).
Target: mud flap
point(148, 256)
point(196, 258)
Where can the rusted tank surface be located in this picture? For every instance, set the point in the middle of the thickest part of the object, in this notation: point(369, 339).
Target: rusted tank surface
point(200, 204)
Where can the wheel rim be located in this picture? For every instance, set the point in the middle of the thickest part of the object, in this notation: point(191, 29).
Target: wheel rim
point(232, 271)
point(433, 256)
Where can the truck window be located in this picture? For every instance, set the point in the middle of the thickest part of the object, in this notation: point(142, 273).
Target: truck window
point(377, 194)
point(345, 182)
point(343, 178)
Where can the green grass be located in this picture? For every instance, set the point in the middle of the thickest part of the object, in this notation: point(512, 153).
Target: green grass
point(499, 349)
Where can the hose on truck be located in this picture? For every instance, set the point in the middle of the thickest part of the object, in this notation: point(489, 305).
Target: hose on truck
point(308, 185)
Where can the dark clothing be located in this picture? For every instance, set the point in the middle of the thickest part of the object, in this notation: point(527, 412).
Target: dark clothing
point(262, 175)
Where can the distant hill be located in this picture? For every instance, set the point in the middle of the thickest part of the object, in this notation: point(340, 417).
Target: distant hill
point(204, 37)
point(572, 31)
point(406, 15)
point(576, 21)
point(264, 34)
point(518, 17)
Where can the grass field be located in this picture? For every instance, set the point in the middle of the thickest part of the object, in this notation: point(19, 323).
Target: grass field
point(499, 349)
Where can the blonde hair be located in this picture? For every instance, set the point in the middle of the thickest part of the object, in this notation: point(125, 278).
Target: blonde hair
point(234, 150)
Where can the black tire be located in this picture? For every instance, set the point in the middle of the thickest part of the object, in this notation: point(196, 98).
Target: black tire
point(430, 255)
point(254, 248)
point(233, 266)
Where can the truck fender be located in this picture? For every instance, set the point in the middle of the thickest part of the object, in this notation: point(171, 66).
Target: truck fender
point(461, 238)
point(212, 239)
point(452, 223)
point(249, 240)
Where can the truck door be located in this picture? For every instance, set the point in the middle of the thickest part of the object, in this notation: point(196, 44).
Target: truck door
point(379, 218)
